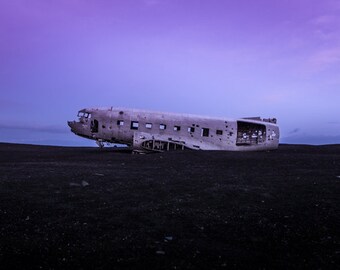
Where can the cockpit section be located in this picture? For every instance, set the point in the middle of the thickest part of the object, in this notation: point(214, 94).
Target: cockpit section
point(86, 119)
point(82, 126)
point(83, 116)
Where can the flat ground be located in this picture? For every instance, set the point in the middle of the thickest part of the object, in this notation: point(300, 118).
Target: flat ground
point(86, 208)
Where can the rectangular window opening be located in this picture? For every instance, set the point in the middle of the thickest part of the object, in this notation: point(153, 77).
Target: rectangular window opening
point(205, 132)
point(148, 125)
point(162, 126)
point(191, 129)
point(134, 125)
point(177, 128)
point(120, 123)
point(219, 132)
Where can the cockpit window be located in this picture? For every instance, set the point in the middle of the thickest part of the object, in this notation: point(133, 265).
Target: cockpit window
point(84, 115)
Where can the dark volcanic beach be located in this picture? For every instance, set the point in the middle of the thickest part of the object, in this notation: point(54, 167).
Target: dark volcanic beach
point(91, 208)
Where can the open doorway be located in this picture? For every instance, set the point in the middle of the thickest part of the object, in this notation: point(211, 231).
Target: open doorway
point(94, 126)
point(250, 133)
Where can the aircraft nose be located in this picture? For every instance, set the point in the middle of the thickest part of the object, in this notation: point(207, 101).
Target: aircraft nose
point(70, 124)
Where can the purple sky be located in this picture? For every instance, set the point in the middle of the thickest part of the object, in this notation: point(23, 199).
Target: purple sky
point(219, 58)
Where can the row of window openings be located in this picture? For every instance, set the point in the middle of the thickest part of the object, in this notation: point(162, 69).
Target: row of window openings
point(135, 125)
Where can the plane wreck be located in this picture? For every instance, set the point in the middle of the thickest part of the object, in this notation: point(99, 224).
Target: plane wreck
point(147, 131)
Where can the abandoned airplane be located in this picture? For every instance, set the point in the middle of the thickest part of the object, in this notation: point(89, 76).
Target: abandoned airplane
point(147, 131)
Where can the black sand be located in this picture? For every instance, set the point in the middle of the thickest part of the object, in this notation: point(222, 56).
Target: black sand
point(86, 208)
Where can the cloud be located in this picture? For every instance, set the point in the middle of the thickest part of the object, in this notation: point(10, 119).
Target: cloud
point(326, 27)
point(324, 20)
point(326, 37)
point(47, 129)
point(323, 59)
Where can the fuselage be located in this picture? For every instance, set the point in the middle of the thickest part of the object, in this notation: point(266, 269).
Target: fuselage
point(146, 130)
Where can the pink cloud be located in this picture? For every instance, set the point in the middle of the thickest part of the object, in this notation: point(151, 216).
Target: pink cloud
point(324, 59)
point(324, 19)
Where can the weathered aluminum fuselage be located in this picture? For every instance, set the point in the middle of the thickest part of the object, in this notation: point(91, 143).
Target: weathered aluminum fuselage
point(159, 131)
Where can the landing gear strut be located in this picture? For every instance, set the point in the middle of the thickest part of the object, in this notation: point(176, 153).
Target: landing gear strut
point(100, 143)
